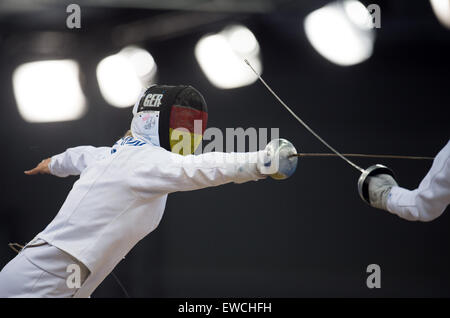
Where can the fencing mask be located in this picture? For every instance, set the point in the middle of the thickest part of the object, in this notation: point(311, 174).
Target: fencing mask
point(172, 117)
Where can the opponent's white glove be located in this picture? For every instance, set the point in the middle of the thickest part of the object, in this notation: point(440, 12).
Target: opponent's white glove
point(276, 159)
point(379, 188)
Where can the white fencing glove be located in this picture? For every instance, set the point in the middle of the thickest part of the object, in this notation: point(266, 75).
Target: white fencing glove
point(276, 159)
point(379, 188)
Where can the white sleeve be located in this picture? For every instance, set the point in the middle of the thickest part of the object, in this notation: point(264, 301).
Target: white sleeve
point(74, 160)
point(184, 173)
point(431, 198)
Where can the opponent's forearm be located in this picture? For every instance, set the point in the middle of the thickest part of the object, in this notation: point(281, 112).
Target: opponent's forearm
point(419, 204)
point(431, 198)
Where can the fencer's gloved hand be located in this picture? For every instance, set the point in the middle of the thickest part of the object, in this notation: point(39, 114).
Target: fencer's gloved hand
point(379, 188)
point(276, 159)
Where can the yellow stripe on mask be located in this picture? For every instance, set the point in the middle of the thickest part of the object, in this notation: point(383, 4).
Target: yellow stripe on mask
point(183, 142)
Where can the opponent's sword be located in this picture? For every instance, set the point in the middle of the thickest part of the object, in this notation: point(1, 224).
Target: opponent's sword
point(365, 173)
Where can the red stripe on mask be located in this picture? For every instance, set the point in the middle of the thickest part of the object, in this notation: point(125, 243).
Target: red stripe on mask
point(184, 117)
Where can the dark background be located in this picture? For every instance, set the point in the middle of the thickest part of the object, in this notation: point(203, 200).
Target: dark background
point(308, 236)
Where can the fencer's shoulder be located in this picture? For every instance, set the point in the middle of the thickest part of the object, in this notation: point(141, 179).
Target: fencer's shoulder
point(140, 149)
point(130, 141)
point(155, 151)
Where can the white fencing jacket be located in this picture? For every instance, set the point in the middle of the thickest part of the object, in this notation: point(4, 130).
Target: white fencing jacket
point(431, 198)
point(121, 195)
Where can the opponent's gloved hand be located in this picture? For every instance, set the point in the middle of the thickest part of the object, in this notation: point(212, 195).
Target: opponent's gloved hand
point(379, 188)
point(276, 159)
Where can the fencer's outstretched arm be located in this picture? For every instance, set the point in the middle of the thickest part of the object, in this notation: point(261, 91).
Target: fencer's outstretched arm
point(167, 172)
point(431, 198)
point(425, 203)
point(74, 160)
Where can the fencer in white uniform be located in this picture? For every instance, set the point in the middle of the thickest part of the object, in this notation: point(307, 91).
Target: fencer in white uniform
point(122, 191)
point(425, 203)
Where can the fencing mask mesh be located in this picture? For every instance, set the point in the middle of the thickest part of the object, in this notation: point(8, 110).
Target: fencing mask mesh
point(173, 117)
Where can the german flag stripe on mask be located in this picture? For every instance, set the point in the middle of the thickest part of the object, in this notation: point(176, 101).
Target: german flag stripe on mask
point(183, 116)
point(186, 129)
